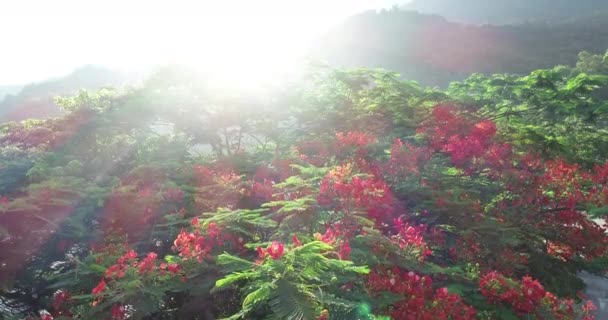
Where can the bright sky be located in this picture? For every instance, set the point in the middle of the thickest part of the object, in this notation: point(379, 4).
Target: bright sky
point(44, 38)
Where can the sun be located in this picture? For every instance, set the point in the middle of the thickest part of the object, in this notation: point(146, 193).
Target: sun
point(245, 46)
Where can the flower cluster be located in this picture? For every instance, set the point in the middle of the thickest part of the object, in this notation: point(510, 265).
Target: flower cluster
point(216, 187)
point(191, 245)
point(407, 158)
point(275, 250)
point(420, 301)
point(354, 139)
point(348, 192)
point(529, 297)
point(122, 264)
point(338, 238)
point(410, 239)
point(467, 142)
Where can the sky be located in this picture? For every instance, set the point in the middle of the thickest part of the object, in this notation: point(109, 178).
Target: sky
point(43, 38)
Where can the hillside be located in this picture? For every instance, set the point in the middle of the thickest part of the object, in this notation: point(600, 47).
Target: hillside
point(36, 100)
point(507, 11)
point(6, 90)
point(436, 51)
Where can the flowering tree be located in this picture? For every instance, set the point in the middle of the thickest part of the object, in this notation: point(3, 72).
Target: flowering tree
point(352, 195)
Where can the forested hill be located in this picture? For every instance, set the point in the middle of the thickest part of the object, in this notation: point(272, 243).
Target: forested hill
point(507, 11)
point(435, 51)
point(6, 90)
point(36, 100)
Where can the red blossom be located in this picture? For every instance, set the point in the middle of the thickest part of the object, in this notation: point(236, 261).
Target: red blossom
point(59, 298)
point(148, 264)
point(296, 241)
point(99, 288)
point(118, 312)
point(354, 139)
point(419, 300)
point(344, 250)
point(410, 238)
point(275, 250)
point(528, 297)
point(192, 246)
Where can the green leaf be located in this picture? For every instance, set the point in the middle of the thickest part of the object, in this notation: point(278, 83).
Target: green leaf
point(234, 277)
point(261, 294)
point(231, 263)
point(290, 302)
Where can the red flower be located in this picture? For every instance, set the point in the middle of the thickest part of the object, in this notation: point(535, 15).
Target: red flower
point(119, 312)
point(194, 222)
point(296, 241)
point(174, 268)
point(324, 315)
point(99, 288)
point(344, 251)
point(356, 139)
point(147, 265)
point(261, 252)
point(213, 231)
point(60, 298)
point(192, 246)
point(275, 250)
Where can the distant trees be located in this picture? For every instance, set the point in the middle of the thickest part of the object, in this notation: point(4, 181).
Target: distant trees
point(508, 11)
point(35, 100)
point(435, 51)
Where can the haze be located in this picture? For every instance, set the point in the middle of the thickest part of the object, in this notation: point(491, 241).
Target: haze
point(43, 39)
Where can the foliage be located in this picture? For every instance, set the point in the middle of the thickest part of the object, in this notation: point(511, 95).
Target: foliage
point(347, 194)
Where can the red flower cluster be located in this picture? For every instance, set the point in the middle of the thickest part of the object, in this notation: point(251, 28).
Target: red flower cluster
point(60, 298)
point(420, 300)
point(528, 297)
point(101, 286)
point(122, 264)
point(332, 237)
point(407, 158)
point(346, 192)
point(354, 139)
point(118, 312)
point(148, 264)
point(465, 141)
point(275, 250)
point(191, 245)
point(215, 188)
point(409, 238)
point(173, 268)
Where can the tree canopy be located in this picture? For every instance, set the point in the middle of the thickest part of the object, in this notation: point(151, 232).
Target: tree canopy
point(343, 194)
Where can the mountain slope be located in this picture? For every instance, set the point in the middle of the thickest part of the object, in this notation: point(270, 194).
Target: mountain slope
point(36, 100)
point(435, 51)
point(6, 90)
point(507, 11)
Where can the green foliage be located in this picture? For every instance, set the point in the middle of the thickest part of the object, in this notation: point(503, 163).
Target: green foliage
point(293, 287)
point(130, 168)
